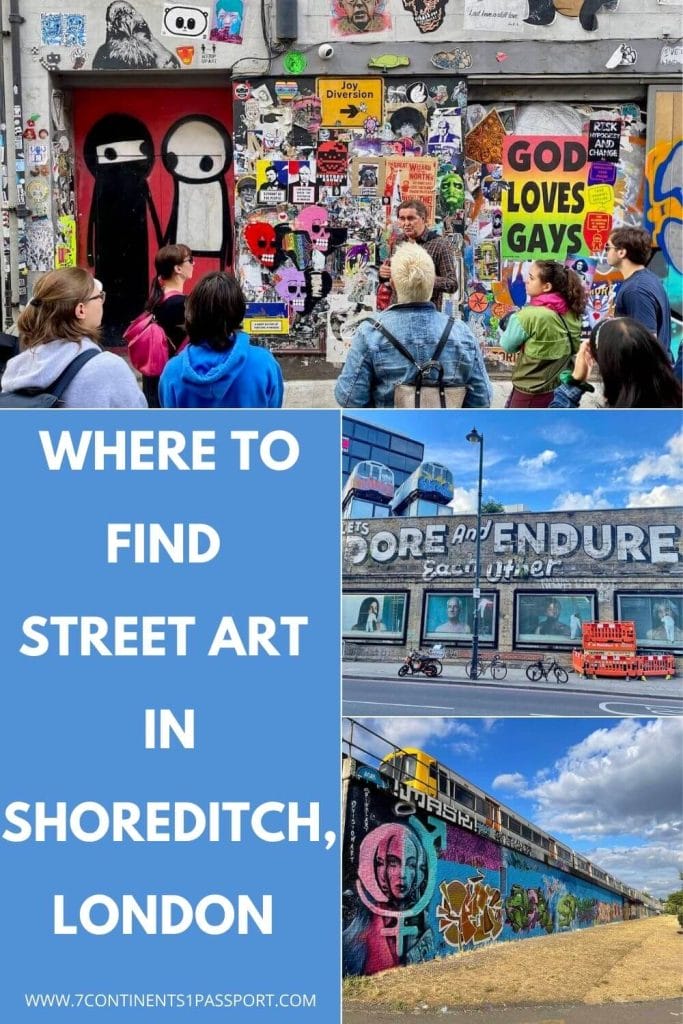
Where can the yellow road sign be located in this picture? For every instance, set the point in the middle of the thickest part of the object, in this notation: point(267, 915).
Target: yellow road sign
point(349, 102)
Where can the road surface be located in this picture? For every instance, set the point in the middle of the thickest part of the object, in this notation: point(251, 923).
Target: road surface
point(366, 696)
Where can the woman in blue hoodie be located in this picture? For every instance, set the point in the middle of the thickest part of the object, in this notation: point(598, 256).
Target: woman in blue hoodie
point(219, 369)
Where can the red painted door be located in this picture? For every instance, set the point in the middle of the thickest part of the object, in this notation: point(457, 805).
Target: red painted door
point(153, 167)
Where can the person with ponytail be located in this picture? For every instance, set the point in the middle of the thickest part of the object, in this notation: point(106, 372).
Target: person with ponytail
point(174, 266)
point(545, 334)
point(62, 320)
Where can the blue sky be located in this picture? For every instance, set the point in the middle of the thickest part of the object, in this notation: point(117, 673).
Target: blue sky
point(611, 788)
point(564, 459)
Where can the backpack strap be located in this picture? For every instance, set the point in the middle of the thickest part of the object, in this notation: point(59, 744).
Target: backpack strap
point(566, 327)
point(59, 386)
point(426, 367)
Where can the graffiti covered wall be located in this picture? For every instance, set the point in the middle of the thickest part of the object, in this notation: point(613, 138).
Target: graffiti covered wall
point(416, 887)
point(321, 167)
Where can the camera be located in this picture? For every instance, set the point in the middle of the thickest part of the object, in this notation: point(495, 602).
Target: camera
point(326, 51)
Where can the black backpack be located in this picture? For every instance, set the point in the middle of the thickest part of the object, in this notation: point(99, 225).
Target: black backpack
point(51, 396)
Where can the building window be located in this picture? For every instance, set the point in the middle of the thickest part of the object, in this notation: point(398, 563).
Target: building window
point(552, 619)
point(375, 617)
point(448, 616)
point(658, 617)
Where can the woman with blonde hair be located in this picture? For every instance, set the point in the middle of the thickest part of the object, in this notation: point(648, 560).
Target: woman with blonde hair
point(174, 266)
point(375, 365)
point(61, 321)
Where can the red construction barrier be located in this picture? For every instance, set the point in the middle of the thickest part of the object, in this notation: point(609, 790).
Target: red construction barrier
point(620, 665)
point(609, 636)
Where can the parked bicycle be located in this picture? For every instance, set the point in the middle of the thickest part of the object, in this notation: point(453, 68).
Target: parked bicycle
point(416, 662)
point(543, 669)
point(496, 665)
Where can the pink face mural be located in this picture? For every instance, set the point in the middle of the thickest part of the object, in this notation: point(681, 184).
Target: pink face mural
point(290, 284)
point(313, 219)
point(391, 869)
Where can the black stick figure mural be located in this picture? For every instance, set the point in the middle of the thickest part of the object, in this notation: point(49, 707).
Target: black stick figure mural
point(119, 153)
point(129, 43)
point(197, 152)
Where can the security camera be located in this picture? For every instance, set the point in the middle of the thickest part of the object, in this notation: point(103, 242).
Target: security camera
point(326, 51)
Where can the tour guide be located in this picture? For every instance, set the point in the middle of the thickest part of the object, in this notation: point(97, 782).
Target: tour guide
point(412, 216)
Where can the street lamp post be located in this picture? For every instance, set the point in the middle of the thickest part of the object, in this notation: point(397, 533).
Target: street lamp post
point(474, 437)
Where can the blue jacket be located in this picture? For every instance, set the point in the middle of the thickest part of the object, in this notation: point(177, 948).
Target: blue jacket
point(373, 366)
point(242, 377)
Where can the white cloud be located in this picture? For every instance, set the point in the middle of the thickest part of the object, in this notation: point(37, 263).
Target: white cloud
point(571, 500)
point(621, 780)
point(669, 465)
point(652, 866)
point(661, 496)
point(513, 782)
point(464, 500)
point(538, 462)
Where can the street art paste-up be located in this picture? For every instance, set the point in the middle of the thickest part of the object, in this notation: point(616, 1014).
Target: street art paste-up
point(359, 17)
point(62, 29)
point(332, 165)
point(500, 16)
point(119, 153)
point(197, 153)
point(428, 15)
point(179, 20)
point(452, 60)
point(271, 182)
point(129, 43)
point(228, 18)
point(302, 182)
point(542, 12)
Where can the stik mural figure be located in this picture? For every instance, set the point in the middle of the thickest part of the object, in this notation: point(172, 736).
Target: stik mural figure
point(197, 152)
point(119, 153)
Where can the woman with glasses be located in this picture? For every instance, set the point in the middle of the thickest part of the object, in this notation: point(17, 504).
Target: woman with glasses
point(62, 320)
point(636, 371)
point(174, 265)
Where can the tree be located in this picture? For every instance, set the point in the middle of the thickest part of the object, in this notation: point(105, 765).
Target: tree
point(674, 903)
point(491, 505)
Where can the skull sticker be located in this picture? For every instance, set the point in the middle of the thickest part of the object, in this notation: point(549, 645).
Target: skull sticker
point(313, 220)
point(428, 15)
point(260, 238)
point(290, 284)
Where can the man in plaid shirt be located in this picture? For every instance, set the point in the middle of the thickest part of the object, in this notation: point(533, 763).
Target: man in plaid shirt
point(412, 216)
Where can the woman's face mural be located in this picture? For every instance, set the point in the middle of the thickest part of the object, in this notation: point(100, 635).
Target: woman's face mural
point(392, 868)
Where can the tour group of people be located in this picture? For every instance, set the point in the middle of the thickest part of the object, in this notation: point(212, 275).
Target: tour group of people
point(212, 364)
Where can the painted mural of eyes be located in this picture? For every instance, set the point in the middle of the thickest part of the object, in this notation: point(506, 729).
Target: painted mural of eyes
point(124, 151)
point(206, 163)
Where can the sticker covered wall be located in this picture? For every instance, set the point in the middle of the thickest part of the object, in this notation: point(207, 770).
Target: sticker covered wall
point(321, 167)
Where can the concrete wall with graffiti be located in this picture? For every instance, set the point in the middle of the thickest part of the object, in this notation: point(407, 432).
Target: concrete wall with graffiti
point(140, 36)
point(454, 20)
point(417, 887)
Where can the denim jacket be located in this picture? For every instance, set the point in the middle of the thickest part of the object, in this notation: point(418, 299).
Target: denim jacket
point(374, 367)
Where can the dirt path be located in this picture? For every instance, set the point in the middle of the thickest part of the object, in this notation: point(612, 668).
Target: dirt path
point(632, 962)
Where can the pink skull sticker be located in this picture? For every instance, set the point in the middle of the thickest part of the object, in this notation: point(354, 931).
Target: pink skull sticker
point(313, 220)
